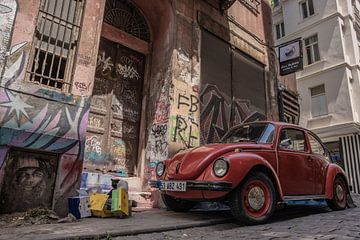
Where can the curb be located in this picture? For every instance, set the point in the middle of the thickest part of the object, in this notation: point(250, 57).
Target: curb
point(147, 231)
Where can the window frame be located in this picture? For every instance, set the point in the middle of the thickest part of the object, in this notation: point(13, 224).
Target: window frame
point(280, 30)
point(309, 13)
point(314, 55)
point(306, 148)
point(43, 43)
point(317, 96)
point(311, 135)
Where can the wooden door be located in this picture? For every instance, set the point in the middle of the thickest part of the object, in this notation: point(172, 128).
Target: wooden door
point(113, 129)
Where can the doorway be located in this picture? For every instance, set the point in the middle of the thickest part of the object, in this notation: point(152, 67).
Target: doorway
point(112, 140)
point(114, 120)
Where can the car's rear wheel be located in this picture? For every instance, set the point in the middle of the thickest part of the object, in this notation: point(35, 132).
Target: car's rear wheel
point(177, 205)
point(339, 200)
point(253, 202)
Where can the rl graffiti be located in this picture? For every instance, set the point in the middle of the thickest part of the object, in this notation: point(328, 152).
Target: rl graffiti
point(184, 118)
point(185, 131)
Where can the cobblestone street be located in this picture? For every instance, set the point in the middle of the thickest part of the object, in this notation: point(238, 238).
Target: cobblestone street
point(294, 222)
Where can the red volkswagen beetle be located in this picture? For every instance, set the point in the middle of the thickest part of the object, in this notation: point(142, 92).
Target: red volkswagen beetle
point(254, 167)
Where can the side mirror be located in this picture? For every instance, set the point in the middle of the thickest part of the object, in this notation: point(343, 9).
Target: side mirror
point(285, 143)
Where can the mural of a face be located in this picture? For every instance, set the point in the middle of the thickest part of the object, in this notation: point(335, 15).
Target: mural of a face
point(30, 178)
point(29, 181)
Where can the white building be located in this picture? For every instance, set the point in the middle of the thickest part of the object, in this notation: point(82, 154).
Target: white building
point(329, 84)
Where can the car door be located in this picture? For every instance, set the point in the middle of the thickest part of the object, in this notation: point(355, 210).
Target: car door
point(320, 161)
point(296, 173)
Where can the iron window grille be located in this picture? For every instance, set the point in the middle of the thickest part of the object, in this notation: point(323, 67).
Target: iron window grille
point(55, 43)
point(126, 17)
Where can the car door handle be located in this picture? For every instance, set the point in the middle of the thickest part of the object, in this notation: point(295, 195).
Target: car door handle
point(310, 158)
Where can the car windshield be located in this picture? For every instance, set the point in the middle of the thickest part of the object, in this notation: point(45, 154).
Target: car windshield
point(254, 132)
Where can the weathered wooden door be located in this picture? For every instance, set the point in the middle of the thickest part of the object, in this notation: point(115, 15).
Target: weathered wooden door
point(114, 120)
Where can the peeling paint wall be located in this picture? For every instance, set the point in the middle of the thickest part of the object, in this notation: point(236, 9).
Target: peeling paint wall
point(184, 112)
point(43, 120)
point(174, 93)
point(8, 10)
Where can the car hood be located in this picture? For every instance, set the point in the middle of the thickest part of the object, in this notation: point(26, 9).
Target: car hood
point(191, 163)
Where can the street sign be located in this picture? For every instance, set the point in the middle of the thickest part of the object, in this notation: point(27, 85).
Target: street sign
point(290, 57)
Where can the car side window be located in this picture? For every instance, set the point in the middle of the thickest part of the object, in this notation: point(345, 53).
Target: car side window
point(316, 146)
point(293, 140)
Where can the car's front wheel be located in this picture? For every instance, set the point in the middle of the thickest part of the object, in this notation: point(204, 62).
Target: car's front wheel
point(177, 205)
point(253, 202)
point(339, 200)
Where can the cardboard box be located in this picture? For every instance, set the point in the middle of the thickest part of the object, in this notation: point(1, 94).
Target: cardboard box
point(79, 206)
point(120, 202)
point(98, 205)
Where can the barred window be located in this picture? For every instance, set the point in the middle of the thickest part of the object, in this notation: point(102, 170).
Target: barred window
point(55, 43)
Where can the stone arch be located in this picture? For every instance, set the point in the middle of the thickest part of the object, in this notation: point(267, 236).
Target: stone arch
point(126, 16)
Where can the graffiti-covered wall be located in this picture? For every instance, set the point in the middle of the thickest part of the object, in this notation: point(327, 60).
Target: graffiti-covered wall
point(7, 17)
point(214, 84)
point(39, 120)
point(188, 96)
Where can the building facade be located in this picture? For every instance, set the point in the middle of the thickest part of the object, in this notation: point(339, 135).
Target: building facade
point(96, 89)
point(328, 85)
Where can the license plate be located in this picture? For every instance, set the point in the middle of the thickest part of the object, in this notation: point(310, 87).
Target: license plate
point(175, 186)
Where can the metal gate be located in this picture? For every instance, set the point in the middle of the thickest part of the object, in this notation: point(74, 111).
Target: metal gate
point(232, 88)
point(114, 120)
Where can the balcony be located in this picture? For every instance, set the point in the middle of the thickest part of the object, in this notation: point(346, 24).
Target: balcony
point(356, 16)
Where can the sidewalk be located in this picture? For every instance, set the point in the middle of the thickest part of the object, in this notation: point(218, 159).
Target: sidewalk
point(152, 220)
point(147, 221)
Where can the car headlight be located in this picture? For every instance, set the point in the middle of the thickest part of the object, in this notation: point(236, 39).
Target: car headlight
point(220, 167)
point(160, 169)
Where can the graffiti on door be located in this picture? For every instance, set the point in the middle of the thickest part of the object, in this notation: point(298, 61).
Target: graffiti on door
point(115, 109)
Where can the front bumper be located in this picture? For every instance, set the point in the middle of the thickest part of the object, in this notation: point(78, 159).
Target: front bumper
point(199, 185)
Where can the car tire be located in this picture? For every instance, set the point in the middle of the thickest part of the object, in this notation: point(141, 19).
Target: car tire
point(177, 205)
point(254, 201)
point(340, 191)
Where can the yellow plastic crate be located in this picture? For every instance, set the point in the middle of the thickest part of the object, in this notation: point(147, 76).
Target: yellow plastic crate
point(120, 202)
point(97, 205)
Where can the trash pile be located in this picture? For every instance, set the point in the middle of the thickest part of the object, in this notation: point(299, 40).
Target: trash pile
point(33, 216)
point(114, 203)
point(89, 202)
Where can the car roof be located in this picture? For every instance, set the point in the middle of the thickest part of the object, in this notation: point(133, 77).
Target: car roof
point(278, 124)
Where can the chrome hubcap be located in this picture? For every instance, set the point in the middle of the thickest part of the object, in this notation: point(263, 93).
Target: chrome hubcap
point(256, 198)
point(339, 192)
